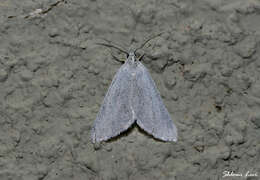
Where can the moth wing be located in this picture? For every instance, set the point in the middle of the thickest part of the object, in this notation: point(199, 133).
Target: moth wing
point(115, 114)
point(150, 111)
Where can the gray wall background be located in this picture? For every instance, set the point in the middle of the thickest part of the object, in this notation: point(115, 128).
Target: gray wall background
point(53, 78)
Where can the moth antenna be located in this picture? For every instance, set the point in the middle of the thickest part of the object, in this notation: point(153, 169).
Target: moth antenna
point(108, 44)
point(142, 45)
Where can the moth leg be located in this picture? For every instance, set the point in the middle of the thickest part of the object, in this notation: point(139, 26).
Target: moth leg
point(141, 57)
point(116, 58)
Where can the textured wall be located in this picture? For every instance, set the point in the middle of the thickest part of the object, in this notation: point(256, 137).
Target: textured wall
point(53, 78)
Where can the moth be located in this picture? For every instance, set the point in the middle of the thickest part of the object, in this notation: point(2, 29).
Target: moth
point(133, 98)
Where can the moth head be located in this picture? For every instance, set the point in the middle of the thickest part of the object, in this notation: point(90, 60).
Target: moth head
point(131, 56)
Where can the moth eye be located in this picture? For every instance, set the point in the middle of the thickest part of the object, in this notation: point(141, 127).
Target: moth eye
point(127, 55)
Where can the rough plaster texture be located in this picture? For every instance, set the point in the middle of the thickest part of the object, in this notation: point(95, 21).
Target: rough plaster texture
point(53, 78)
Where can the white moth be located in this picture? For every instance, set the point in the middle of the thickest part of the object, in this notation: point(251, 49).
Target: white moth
point(133, 97)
